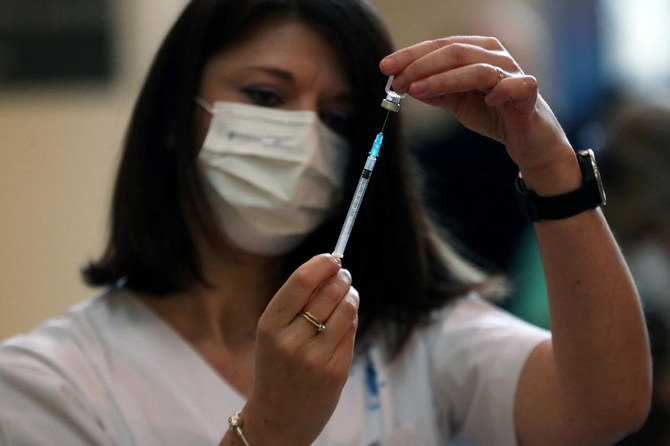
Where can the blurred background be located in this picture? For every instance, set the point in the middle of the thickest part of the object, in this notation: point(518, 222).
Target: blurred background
point(70, 70)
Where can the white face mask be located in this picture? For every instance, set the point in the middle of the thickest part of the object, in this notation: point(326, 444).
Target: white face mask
point(274, 174)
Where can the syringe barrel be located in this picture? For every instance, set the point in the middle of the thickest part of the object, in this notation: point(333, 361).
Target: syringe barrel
point(354, 207)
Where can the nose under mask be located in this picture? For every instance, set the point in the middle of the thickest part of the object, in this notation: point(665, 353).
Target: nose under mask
point(272, 175)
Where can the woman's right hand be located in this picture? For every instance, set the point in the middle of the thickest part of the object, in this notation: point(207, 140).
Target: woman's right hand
point(299, 371)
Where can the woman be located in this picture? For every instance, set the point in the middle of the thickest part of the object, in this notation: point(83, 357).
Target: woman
point(244, 148)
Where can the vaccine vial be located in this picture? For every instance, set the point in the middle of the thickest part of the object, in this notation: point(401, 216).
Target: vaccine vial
point(392, 100)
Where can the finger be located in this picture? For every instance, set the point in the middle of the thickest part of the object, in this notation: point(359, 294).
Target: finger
point(449, 58)
point(481, 77)
point(294, 294)
point(397, 61)
point(521, 92)
point(344, 351)
point(328, 296)
point(340, 322)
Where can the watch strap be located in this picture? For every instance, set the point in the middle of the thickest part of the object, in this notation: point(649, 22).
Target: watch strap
point(588, 196)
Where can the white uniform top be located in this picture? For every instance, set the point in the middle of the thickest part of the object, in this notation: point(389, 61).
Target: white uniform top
point(111, 372)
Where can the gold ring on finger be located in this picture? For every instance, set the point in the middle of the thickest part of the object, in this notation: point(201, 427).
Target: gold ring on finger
point(320, 326)
point(501, 74)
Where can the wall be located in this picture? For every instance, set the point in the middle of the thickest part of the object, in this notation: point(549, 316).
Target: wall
point(58, 151)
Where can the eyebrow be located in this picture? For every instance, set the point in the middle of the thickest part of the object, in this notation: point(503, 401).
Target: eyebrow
point(276, 72)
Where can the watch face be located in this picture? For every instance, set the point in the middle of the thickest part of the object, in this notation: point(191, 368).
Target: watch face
point(596, 174)
point(599, 182)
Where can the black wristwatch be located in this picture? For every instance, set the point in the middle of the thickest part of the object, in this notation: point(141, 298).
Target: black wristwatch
point(589, 195)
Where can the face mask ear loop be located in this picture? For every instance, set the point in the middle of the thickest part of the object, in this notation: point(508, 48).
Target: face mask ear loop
point(202, 103)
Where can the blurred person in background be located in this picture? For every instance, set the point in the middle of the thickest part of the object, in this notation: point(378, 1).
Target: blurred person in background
point(637, 161)
point(637, 175)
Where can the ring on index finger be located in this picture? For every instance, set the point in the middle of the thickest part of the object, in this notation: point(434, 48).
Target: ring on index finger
point(320, 326)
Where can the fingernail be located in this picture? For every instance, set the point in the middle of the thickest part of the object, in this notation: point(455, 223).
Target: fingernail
point(400, 83)
point(492, 99)
point(388, 64)
point(337, 259)
point(419, 87)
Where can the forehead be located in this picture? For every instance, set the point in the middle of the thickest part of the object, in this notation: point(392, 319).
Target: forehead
point(286, 44)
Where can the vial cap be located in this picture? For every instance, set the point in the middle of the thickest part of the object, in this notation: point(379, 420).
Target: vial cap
point(389, 105)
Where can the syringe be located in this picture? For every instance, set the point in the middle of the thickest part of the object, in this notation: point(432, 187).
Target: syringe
point(391, 103)
point(358, 196)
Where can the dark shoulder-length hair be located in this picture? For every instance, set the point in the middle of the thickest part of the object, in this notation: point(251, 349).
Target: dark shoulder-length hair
point(400, 266)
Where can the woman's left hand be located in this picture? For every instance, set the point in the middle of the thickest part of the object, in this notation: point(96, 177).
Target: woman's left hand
point(477, 80)
point(564, 393)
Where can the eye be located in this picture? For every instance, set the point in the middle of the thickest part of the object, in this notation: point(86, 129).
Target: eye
point(340, 122)
point(263, 96)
